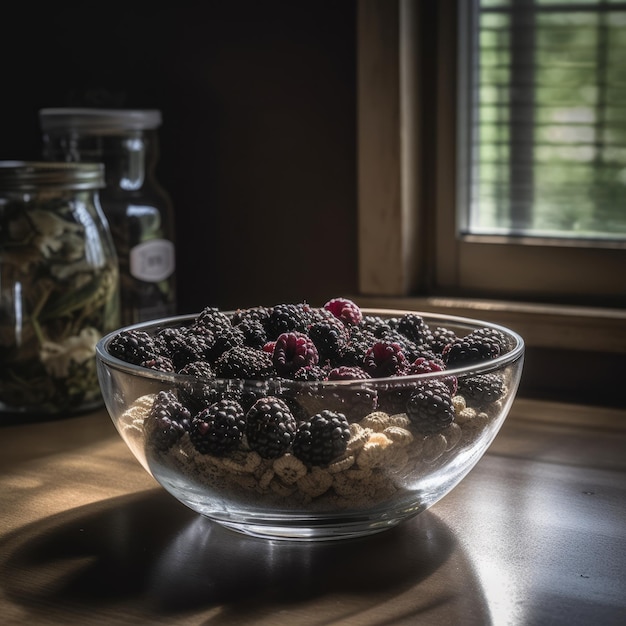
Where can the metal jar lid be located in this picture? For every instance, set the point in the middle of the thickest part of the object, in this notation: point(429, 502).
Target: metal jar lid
point(35, 175)
point(99, 121)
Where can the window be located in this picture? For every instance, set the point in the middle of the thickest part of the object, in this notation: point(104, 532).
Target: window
point(543, 110)
point(419, 147)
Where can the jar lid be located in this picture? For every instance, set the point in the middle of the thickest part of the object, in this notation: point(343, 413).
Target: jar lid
point(101, 121)
point(33, 175)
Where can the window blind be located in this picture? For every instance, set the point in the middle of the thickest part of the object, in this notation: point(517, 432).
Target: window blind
point(545, 118)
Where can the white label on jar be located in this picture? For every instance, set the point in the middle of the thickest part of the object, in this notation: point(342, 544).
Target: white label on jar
point(153, 260)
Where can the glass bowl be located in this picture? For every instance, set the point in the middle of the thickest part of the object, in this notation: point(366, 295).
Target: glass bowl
point(283, 449)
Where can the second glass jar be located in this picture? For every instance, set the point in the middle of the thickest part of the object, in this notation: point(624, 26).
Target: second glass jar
point(139, 210)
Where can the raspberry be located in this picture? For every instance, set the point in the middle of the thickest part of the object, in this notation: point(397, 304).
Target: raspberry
point(218, 429)
point(244, 362)
point(345, 310)
point(292, 351)
point(322, 438)
point(423, 365)
point(384, 359)
point(166, 421)
point(133, 346)
point(430, 407)
point(270, 427)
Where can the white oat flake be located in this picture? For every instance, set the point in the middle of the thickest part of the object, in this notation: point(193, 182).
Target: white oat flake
point(289, 468)
point(315, 483)
point(377, 421)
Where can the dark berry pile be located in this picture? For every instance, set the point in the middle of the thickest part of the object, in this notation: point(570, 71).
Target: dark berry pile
point(238, 366)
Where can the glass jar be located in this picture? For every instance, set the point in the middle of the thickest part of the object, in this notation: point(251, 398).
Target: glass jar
point(138, 209)
point(59, 286)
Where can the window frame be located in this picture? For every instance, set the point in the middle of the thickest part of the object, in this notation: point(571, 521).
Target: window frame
point(410, 256)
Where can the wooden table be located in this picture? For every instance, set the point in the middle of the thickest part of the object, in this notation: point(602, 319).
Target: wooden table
point(535, 534)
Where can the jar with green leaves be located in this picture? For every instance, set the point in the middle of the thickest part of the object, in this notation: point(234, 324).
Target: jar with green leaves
point(59, 286)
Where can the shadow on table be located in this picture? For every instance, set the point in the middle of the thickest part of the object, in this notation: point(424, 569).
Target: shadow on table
point(147, 555)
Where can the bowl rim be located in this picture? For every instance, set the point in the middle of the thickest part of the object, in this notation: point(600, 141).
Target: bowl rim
point(482, 367)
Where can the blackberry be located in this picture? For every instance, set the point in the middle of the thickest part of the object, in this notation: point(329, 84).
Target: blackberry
point(198, 369)
point(245, 363)
point(345, 310)
point(213, 320)
point(218, 429)
point(183, 346)
point(286, 318)
point(359, 342)
point(384, 359)
point(347, 372)
point(483, 388)
point(310, 373)
point(394, 398)
point(164, 338)
point(248, 394)
point(415, 328)
point(166, 421)
point(322, 438)
point(202, 396)
point(252, 314)
point(159, 363)
point(330, 337)
point(468, 350)
point(375, 325)
point(198, 393)
point(292, 351)
point(492, 335)
point(409, 348)
point(254, 334)
point(225, 340)
point(270, 427)
point(355, 403)
point(133, 346)
point(440, 338)
point(190, 347)
point(430, 407)
point(354, 400)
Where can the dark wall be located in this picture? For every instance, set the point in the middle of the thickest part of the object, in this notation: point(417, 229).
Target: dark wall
point(258, 145)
